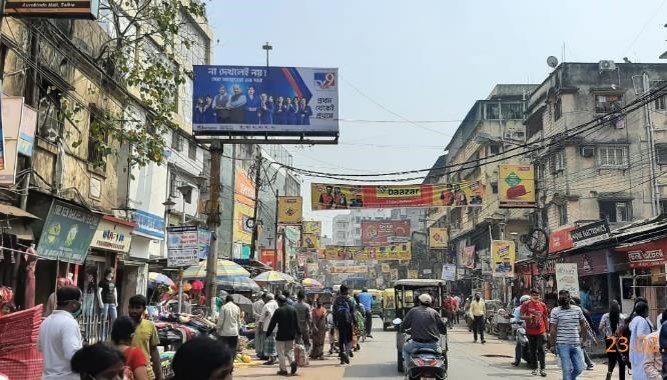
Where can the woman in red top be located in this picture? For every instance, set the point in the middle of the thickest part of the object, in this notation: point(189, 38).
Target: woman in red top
point(121, 336)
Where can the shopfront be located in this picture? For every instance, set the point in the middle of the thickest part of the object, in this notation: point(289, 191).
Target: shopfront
point(147, 244)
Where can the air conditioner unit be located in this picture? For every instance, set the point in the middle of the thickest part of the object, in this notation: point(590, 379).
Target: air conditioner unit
point(587, 151)
point(607, 65)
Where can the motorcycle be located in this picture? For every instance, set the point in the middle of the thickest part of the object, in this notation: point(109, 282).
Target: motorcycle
point(425, 363)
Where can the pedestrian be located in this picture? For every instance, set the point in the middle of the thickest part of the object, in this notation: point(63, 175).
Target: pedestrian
point(640, 328)
point(454, 304)
point(229, 323)
point(60, 335)
point(51, 301)
point(257, 307)
point(458, 308)
point(609, 324)
point(145, 336)
point(319, 316)
point(99, 362)
point(518, 349)
point(122, 332)
point(343, 317)
point(288, 329)
point(269, 339)
point(331, 327)
point(653, 357)
point(366, 299)
point(467, 314)
point(290, 301)
point(536, 316)
point(305, 320)
point(359, 326)
point(589, 324)
point(478, 311)
point(567, 323)
point(203, 358)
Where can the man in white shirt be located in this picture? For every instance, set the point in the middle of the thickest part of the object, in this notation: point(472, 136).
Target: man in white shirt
point(257, 308)
point(229, 323)
point(60, 335)
point(270, 342)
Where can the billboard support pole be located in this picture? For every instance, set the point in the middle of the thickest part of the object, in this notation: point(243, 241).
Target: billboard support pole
point(258, 178)
point(212, 222)
point(267, 46)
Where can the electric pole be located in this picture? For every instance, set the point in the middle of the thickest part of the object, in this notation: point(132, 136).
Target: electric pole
point(258, 178)
point(212, 222)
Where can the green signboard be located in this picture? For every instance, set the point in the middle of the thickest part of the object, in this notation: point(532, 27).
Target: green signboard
point(67, 233)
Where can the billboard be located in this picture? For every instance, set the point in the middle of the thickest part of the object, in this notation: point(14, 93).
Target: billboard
point(182, 246)
point(382, 232)
point(27, 129)
point(516, 186)
point(327, 196)
point(242, 227)
point(311, 227)
point(438, 238)
point(84, 9)
point(468, 257)
point(449, 272)
point(389, 252)
point(311, 233)
point(290, 210)
point(260, 100)
point(269, 258)
point(67, 233)
point(503, 253)
point(244, 188)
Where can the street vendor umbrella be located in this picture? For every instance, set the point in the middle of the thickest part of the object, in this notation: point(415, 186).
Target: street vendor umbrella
point(224, 268)
point(311, 283)
point(155, 278)
point(241, 300)
point(274, 277)
point(237, 284)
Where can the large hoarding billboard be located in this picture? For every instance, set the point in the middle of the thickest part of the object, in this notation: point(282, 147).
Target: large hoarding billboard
point(259, 100)
point(330, 196)
point(381, 232)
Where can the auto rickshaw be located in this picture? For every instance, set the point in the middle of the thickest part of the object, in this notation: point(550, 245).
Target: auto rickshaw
point(406, 291)
point(377, 300)
point(388, 308)
point(323, 295)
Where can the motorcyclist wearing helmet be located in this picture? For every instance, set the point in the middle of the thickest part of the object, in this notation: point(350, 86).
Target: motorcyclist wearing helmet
point(426, 326)
point(518, 350)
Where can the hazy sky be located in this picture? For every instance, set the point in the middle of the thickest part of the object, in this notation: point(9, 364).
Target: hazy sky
point(424, 61)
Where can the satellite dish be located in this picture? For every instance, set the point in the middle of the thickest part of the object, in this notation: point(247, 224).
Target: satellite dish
point(552, 61)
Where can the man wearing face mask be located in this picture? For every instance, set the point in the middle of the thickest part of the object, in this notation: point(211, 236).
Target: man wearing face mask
point(60, 335)
point(535, 314)
point(567, 323)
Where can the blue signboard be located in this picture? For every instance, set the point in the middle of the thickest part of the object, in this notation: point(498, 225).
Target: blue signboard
point(257, 100)
point(148, 224)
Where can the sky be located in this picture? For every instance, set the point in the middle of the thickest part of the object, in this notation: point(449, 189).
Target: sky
point(410, 71)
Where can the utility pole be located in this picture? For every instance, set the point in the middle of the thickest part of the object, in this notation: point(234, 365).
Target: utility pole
point(258, 178)
point(212, 222)
point(655, 198)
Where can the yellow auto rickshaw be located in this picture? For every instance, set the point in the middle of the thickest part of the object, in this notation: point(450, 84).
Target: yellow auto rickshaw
point(388, 308)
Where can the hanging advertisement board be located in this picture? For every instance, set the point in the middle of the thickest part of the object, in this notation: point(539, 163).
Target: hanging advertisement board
point(389, 252)
point(438, 238)
point(503, 254)
point(290, 210)
point(567, 278)
point(516, 186)
point(182, 246)
point(382, 232)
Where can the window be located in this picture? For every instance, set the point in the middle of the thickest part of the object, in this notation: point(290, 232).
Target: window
point(562, 214)
point(50, 115)
point(494, 187)
point(663, 206)
point(613, 156)
point(616, 211)
point(96, 154)
point(185, 101)
point(187, 196)
point(494, 149)
point(176, 141)
point(512, 111)
point(557, 162)
point(607, 103)
point(661, 154)
point(193, 43)
point(660, 104)
point(192, 150)
point(492, 111)
point(558, 109)
point(173, 185)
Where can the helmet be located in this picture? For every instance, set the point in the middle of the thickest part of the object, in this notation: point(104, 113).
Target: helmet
point(524, 298)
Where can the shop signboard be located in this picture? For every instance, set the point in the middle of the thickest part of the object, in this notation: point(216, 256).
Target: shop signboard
point(76, 9)
point(243, 226)
point(503, 254)
point(290, 210)
point(438, 238)
point(589, 263)
point(269, 257)
point(389, 252)
point(646, 255)
point(413, 274)
point(449, 272)
point(349, 269)
point(67, 233)
point(261, 100)
point(567, 278)
point(590, 233)
point(561, 240)
point(327, 196)
point(182, 246)
point(516, 186)
point(113, 235)
point(148, 224)
point(382, 232)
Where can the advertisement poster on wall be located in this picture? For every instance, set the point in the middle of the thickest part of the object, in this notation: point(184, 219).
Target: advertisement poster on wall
point(269, 258)
point(516, 186)
point(449, 272)
point(438, 238)
point(326, 196)
point(381, 232)
point(251, 100)
point(290, 210)
point(567, 278)
point(182, 246)
point(503, 254)
point(468, 257)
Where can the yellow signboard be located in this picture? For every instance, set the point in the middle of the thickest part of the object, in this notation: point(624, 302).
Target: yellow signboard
point(290, 210)
point(389, 252)
point(311, 233)
point(413, 274)
point(349, 269)
point(310, 241)
point(242, 226)
point(503, 254)
point(386, 268)
point(438, 238)
point(311, 227)
point(516, 186)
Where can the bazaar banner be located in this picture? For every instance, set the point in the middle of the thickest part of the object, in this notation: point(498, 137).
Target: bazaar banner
point(290, 210)
point(438, 238)
point(387, 252)
point(325, 196)
point(516, 186)
point(503, 254)
point(382, 232)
